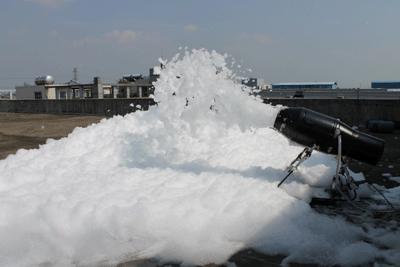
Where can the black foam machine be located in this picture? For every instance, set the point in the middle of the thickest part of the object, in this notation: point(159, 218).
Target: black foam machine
point(316, 131)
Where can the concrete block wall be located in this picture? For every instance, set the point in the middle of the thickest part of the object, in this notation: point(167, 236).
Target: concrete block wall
point(108, 107)
point(351, 112)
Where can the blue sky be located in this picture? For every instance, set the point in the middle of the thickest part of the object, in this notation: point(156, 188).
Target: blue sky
point(352, 42)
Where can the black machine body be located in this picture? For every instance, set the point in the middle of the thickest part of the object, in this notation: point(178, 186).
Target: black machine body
point(310, 128)
point(319, 132)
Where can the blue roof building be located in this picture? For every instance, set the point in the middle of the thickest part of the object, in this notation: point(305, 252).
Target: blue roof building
point(385, 84)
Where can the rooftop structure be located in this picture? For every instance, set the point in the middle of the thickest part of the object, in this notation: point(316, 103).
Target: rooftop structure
point(302, 86)
point(254, 83)
point(7, 93)
point(385, 84)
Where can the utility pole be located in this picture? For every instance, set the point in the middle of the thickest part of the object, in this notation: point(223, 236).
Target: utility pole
point(75, 72)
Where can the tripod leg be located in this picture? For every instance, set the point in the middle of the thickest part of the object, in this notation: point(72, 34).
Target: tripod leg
point(286, 177)
point(305, 154)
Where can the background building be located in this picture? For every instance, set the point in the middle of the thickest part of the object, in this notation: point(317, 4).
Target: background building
point(303, 86)
point(385, 85)
point(128, 86)
point(7, 93)
point(254, 83)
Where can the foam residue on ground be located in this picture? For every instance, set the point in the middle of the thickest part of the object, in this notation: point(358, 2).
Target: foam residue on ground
point(193, 180)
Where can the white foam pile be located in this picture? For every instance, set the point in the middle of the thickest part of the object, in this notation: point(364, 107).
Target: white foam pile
point(193, 180)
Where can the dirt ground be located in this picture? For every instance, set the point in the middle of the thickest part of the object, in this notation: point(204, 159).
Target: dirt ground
point(20, 130)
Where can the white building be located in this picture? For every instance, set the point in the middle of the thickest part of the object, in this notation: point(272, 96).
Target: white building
point(45, 88)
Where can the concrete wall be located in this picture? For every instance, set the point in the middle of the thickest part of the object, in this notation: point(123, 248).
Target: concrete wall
point(108, 107)
point(350, 111)
point(97, 91)
point(28, 92)
point(51, 93)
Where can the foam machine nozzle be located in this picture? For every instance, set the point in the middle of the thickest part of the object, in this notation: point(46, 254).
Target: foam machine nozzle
point(313, 129)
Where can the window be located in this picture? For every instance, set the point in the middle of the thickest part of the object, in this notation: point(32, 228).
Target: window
point(38, 95)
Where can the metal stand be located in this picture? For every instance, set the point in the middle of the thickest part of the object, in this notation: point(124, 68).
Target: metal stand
point(343, 184)
point(305, 154)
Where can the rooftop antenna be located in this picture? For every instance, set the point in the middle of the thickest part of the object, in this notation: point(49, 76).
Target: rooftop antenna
point(75, 75)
